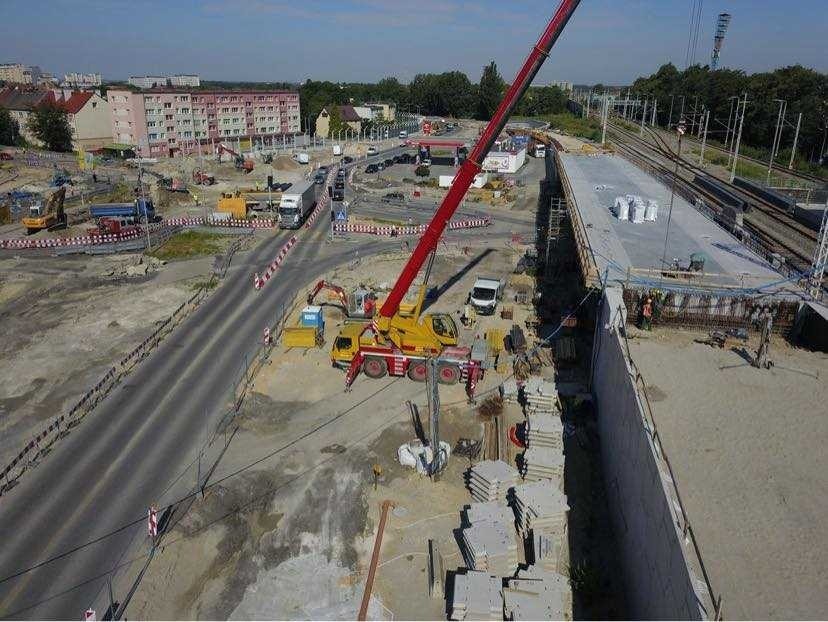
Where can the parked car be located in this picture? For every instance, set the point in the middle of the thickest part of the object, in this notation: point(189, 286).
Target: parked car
point(388, 162)
point(347, 160)
point(371, 168)
point(425, 162)
point(372, 151)
point(380, 166)
point(4, 155)
point(393, 196)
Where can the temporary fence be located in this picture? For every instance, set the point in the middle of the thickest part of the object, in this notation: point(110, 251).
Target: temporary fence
point(260, 280)
point(707, 311)
point(391, 230)
point(61, 425)
point(86, 240)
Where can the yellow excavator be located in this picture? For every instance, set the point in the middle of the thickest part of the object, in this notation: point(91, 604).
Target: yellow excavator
point(46, 215)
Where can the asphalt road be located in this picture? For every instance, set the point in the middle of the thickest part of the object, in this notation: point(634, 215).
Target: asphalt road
point(125, 454)
point(128, 453)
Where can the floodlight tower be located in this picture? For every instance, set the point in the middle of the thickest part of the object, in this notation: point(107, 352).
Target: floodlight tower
point(721, 28)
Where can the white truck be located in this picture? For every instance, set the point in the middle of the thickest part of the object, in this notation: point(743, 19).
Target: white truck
point(337, 150)
point(301, 158)
point(485, 294)
point(297, 204)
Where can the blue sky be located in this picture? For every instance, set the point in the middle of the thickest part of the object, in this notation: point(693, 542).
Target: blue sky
point(363, 40)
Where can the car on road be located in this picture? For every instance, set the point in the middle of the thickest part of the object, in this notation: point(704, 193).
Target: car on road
point(380, 166)
point(347, 160)
point(285, 186)
point(371, 168)
point(388, 162)
point(339, 184)
point(372, 151)
point(340, 174)
point(338, 195)
point(425, 162)
point(393, 196)
point(319, 178)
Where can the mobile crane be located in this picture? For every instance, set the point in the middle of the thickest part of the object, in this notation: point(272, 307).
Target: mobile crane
point(398, 343)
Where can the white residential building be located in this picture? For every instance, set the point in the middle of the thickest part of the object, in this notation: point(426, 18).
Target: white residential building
point(147, 82)
point(185, 80)
point(76, 80)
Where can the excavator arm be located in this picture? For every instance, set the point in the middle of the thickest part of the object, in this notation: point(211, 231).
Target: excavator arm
point(323, 284)
point(473, 164)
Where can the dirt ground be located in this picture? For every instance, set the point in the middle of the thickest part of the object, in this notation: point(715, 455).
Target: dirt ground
point(67, 319)
point(748, 450)
point(289, 533)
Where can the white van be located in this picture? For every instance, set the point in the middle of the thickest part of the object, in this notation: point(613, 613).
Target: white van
point(372, 151)
point(485, 294)
point(403, 134)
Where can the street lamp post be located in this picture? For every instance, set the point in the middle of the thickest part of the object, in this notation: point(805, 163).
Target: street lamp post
point(728, 135)
point(680, 128)
point(796, 137)
point(777, 135)
point(738, 137)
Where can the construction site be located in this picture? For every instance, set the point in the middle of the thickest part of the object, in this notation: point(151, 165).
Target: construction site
point(487, 370)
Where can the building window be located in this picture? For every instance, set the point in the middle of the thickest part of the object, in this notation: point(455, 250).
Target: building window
point(167, 105)
point(153, 136)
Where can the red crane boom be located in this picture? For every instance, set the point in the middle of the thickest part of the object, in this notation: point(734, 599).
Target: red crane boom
point(473, 163)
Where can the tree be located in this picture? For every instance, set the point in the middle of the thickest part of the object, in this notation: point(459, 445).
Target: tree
point(50, 125)
point(335, 124)
point(490, 92)
point(9, 129)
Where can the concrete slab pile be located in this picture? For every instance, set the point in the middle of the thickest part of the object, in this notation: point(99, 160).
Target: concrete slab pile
point(477, 596)
point(490, 480)
point(489, 511)
point(544, 430)
point(540, 396)
point(509, 391)
point(541, 510)
point(541, 463)
point(537, 594)
point(491, 546)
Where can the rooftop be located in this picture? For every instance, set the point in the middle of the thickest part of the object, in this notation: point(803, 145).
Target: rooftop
point(618, 245)
point(747, 447)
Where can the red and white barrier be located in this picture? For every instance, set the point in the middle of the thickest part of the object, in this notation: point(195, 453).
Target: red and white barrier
point(85, 240)
point(152, 522)
point(259, 281)
point(262, 223)
point(393, 231)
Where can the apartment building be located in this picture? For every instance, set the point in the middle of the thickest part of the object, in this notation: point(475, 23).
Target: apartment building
point(164, 122)
point(147, 82)
point(18, 73)
point(564, 85)
point(185, 80)
point(76, 80)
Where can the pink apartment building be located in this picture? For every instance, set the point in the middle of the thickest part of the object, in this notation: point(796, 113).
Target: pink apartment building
point(162, 122)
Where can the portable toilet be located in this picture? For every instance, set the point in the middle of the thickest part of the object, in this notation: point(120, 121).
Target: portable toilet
point(312, 316)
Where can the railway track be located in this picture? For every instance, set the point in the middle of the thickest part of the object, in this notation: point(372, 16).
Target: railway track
point(770, 231)
point(795, 174)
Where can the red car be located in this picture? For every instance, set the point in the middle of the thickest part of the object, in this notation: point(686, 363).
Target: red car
point(4, 155)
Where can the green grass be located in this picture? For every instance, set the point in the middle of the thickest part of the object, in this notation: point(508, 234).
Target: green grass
point(189, 244)
point(207, 284)
point(743, 169)
point(574, 125)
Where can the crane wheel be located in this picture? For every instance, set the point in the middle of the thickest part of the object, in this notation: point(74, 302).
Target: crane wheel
point(375, 367)
point(448, 374)
point(417, 371)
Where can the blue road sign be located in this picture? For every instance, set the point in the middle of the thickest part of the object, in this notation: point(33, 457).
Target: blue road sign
point(341, 215)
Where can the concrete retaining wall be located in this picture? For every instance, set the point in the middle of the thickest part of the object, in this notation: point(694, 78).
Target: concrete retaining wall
point(657, 555)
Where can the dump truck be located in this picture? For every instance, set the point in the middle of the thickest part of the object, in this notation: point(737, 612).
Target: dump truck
point(296, 205)
point(398, 343)
point(46, 214)
point(139, 210)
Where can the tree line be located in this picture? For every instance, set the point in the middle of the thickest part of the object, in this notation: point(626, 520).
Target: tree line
point(447, 94)
point(805, 90)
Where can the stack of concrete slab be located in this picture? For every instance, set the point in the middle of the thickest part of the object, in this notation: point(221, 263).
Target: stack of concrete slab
point(489, 511)
point(491, 546)
point(538, 594)
point(541, 510)
point(509, 391)
point(477, 596)
point(491, 480)
point(540, 506)
point(540, 396)
point(542, 463)
point(543, 430)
